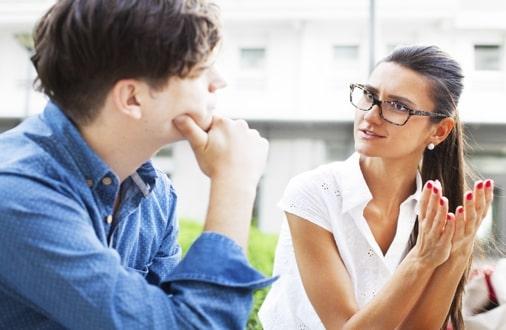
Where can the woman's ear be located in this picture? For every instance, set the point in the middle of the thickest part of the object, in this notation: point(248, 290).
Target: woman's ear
point(442, 130)
point(126, 97)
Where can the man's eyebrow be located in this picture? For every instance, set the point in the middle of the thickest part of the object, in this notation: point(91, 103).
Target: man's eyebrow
point(202, 68)
point(395, 97)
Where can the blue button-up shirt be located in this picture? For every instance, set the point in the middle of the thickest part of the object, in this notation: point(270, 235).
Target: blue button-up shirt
point(65, 262)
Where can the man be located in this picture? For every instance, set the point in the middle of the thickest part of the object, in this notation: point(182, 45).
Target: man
point(88, 226)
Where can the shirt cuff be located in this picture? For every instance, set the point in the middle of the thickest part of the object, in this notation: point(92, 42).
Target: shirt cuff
point(215, 258)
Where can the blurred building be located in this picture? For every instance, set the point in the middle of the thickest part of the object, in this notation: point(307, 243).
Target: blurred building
point(289, 64)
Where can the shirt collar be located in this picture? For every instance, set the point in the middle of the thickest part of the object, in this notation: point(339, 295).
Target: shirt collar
point(354, 189)
point(93, 168)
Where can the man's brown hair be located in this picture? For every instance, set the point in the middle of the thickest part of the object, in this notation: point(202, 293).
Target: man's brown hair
point(83, 47)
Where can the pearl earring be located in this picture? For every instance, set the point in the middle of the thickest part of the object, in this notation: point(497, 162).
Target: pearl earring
point(431, 146)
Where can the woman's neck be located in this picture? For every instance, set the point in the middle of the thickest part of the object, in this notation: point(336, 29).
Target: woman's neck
point(391, 181)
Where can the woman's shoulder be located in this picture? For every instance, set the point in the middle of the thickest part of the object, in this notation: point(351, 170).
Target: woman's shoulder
point(326, 174)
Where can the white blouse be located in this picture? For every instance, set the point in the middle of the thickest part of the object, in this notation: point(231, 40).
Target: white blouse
point(334, 197)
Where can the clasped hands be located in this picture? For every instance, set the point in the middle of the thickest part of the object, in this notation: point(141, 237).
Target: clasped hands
point(443, 234)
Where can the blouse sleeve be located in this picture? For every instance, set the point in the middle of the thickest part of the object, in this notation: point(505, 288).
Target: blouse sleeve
point(304, 197)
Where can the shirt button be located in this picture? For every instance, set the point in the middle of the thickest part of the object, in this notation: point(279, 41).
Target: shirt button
point(109, 219)
point(89, 183)
point(107, 181)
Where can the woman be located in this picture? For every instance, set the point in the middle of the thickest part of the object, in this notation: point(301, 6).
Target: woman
point(366, 245)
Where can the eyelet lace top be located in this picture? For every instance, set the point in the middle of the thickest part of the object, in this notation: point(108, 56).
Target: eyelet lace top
point(334, 197)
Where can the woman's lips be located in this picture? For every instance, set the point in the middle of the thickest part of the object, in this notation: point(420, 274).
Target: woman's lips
point(369, 135)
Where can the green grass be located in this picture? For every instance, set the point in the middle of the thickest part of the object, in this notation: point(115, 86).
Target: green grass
point(260, 254)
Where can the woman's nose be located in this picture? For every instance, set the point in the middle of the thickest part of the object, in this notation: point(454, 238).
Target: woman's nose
point(374, 115)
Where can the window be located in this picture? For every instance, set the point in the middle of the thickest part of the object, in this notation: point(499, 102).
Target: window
point(344, 55)
point(253, 69)
point(344, 68)
point(487, 57)
point(252, 59)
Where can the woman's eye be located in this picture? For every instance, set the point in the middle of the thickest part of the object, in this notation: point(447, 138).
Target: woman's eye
point(368, 95)
point(399, 106)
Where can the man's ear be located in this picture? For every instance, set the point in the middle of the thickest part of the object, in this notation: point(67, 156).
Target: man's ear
point(442, 130)
point(127, 96)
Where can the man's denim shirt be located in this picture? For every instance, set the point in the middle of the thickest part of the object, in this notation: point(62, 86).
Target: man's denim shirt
point(66, 263)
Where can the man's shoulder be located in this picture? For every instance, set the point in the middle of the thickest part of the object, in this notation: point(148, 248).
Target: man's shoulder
point(31, 150)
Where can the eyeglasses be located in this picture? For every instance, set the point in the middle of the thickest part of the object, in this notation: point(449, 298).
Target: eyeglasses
point(393, 112)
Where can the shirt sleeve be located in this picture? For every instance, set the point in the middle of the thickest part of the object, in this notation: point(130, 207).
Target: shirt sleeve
point(52, 261)
point(169, 253)
point(303, 197)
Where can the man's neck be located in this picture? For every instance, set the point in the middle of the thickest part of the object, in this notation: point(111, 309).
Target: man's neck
point(119, 150)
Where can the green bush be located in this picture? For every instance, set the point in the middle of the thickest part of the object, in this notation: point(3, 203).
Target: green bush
point(260, 254)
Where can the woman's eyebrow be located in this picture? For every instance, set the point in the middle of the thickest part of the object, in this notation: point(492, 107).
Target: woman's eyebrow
point(402, 99)
point(371, 89)
point(396, 97)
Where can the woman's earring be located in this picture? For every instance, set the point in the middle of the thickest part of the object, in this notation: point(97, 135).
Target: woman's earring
point(431, 146)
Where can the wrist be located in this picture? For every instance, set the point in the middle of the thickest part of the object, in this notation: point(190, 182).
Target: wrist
point(420, 260)
point(236, 183)
point(458, 260)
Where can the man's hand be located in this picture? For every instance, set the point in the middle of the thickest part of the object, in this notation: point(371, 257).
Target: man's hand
point(230, 149)
point(233, 156)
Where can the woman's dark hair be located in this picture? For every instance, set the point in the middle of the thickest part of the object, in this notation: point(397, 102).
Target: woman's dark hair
point(83, 47)
point(446, 162)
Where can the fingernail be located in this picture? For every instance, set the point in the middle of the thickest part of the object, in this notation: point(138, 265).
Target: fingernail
point(480, 185)
point(435, 190)
point(441, 202)
point(448, 217)
point(488, 183)
point(429, 185)
point(460, 210)
point(469, 196)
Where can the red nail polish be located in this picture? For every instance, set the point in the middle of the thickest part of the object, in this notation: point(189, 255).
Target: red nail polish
point(448, 217)
point(480, 185)
point(441, 202)
point(461, 210)
point(435, 190)
point(469, 196)
point(488, 183)
point(429, 185)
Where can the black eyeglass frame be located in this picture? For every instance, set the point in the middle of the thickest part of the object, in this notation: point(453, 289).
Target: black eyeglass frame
point(378, 102)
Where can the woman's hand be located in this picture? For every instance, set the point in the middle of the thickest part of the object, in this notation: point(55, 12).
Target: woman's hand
point(436, 226)
point(470, 216)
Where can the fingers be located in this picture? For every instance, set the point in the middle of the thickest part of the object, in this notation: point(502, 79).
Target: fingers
point(460, 224)
point(489, 195)
point(424, 200)
point(241, 123)
point(191, 131)
point(469, 213)
point(450, 228)
point(441, 216)
point(433, 206)
point(479, 201)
